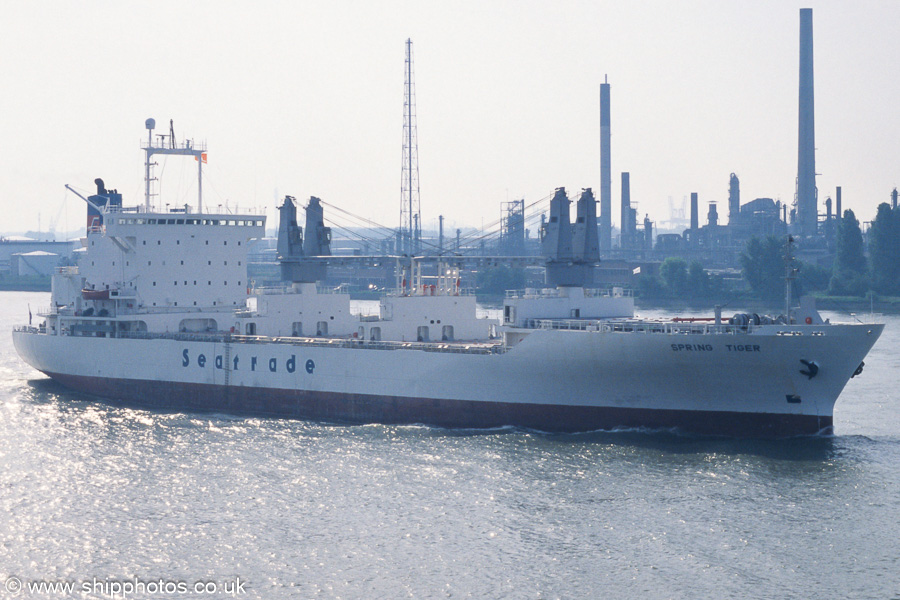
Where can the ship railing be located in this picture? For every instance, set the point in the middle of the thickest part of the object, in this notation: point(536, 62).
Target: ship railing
point(287, 289)
point(181, 336)
point(869, 318)
point(28, 329)
point(626, 326)
point(69, 310)
point(448, 291)
point(47, 311)
point(183, 210)
point(459, 347)
point(530, 293)
point(70, 270)
point(164, 310)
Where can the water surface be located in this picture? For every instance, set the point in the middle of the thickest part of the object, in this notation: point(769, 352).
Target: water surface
point(91, 492)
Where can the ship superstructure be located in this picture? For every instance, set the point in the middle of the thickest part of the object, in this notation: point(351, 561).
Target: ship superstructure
point(153, 271)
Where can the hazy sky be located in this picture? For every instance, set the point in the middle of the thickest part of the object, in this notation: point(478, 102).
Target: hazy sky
point(306, 98)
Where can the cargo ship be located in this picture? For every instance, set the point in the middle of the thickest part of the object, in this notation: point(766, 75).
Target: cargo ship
point(159, 314)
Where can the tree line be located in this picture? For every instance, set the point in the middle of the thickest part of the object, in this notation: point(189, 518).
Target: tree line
point(679, 279)
point(763, 266)
point(852, 273)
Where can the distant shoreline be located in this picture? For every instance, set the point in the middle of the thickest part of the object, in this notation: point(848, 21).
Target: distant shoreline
point(35, 285)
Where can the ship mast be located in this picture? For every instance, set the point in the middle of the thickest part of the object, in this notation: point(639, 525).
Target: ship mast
point(188, 148)
point(410, 214)
point(790, 273)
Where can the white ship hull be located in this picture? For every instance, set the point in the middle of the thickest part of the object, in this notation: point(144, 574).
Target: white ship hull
point(727, 383)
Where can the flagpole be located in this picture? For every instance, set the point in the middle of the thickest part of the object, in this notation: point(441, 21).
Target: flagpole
point(200, 184)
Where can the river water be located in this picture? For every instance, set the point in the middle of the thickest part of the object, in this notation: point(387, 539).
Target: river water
point(117, 502)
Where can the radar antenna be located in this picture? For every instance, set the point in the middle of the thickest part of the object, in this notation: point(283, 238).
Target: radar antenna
point(188, 148)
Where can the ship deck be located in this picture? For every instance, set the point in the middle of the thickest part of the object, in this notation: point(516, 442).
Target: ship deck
point(493, 346)
point(457, 346)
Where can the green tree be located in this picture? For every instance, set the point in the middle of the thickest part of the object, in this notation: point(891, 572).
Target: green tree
point(673, 272)
point(883, 251)
point(697, 280)
point(849, 277)
point(813, 278)
point(496, 280)
point(762, 265)
point(717, 287)
point(650, 286)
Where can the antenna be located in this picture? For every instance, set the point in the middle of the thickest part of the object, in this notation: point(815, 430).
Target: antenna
point(410, 212)
point(790, 273)
point(188, 148)
point(150, 124)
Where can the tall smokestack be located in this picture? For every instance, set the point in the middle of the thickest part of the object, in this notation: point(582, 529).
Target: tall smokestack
point(734, 199)
point(626, 208)
point(695, 215)
point(837, 203)
point(605, 173)
point(807, 209)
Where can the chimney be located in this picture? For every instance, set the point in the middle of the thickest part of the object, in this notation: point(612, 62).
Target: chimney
point(626, 208)
point(605, 174)
point(837, 203)
point(713, 216)
point(734, 199)
point(695, 214)
point(807, 206)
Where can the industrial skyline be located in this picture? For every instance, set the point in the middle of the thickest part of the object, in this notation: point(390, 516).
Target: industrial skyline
point(307, 100)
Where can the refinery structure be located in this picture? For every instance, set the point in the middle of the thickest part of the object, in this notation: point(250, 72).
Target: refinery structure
point(711, 230)
point(702, 229)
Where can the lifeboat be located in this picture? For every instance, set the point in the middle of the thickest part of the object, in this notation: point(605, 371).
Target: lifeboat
point(95, 294)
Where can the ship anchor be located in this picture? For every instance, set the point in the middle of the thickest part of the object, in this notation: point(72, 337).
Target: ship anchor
point(812, 369)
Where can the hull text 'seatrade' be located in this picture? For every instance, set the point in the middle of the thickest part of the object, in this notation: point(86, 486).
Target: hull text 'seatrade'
point(158, 314)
